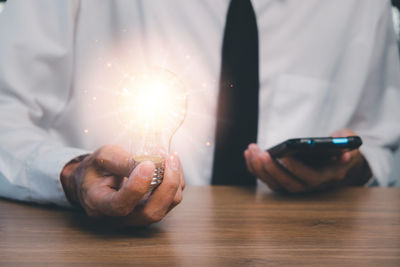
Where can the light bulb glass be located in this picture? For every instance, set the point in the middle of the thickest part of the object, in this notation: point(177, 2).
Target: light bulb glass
point(151, 106)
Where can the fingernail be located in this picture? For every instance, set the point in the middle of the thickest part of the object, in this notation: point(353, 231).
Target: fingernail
point(146, 169)
point(253, 147)
point(174, 162)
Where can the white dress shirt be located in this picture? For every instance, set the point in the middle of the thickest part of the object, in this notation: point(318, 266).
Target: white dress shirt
point(324, 66)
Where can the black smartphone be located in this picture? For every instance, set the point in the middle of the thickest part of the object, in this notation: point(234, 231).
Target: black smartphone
point(315, 150)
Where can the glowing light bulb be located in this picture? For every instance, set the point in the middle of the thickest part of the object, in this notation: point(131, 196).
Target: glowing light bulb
point(152, 106)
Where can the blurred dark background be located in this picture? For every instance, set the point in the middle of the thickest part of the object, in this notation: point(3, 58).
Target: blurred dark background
point(396, 18)
point(396, 3)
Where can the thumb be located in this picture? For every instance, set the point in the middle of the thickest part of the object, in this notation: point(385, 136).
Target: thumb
point(343, 133)
point(133, 189)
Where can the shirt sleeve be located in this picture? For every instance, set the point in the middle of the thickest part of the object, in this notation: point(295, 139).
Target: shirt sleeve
point(378, 114)
point(36, 60)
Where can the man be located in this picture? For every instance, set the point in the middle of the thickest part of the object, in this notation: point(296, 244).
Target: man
point(311, 68)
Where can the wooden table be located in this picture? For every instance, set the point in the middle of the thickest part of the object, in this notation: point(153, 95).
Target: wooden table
point(217, 226)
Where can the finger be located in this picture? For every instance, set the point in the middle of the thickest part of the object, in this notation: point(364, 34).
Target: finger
point(248, 161)
point(181, 176)
point(123, 201)
point(303, 172)
point(114, 182)
point(254, 162)
point(257, 165)
point(282, 176)
point(183, 182)
point(177, 200)
point(114, 159)
point(349, 156)
point(266, 177)
point(343, 133)
point(161, 199)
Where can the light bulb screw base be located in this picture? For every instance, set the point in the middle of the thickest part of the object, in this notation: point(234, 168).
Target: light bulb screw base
point(158, 176)
point(158, 173)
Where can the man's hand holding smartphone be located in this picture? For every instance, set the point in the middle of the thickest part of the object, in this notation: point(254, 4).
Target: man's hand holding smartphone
point(291, 174)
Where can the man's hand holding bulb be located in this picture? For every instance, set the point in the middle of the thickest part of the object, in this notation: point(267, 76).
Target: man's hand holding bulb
point(140, 187)
point(107, 183)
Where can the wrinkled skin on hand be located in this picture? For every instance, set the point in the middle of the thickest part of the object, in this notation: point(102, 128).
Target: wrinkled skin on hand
point(288, 174)
point(107, 184)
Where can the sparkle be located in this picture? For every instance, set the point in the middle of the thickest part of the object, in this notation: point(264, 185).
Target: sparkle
point(94, 98)
point(86, 131)
point(231, 85)
point(152, 101)
point(109, 64)
point(208, 144)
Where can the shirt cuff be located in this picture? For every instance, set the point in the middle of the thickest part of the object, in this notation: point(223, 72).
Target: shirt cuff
point(43, 172)
point(381, 162)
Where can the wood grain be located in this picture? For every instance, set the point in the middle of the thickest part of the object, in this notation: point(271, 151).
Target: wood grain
point(216, 226)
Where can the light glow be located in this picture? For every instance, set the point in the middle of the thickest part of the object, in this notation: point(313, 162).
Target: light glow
point(151, 105)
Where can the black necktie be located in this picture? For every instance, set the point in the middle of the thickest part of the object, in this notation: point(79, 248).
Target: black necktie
point(237, 116)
